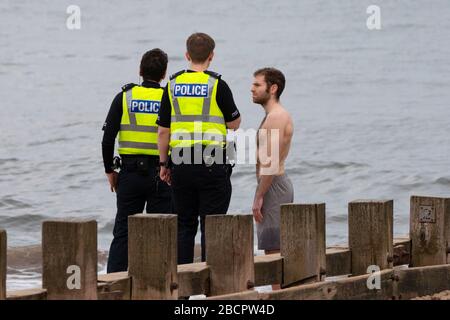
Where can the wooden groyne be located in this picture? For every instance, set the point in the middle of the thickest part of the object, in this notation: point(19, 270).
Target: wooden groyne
point(373, 266)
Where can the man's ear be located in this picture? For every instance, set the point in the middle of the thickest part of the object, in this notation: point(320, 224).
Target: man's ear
point(211, 56)
point(188, 57)
point(140, 71)
point(273, 89)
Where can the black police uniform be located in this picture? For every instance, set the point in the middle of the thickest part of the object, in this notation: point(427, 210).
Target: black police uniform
point(199, 189)
point(138, 185)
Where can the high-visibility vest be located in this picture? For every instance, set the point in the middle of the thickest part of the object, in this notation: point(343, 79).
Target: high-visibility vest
point(138, 129)
point(195, 117)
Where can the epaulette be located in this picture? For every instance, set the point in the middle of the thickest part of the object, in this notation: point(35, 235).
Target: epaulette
point(128, 86)
point(213, 74)
point(177, 74)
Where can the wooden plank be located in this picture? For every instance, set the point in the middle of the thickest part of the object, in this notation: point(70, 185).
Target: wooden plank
point(394, 284)
point(402, 240)
point(302, 242)
point(3, 264)
point(108, 286)
point(268, 269)
point(229, 253)
point(338, 261)
point(111, 295)
point(28, 294)
point(114, 286)
point(422, 281)
point(111, 277)
point(370, 227)
point(245, 295)
point(339, 256)
point(321, 241)
point(429, 230)
point(152, 256)
point(193, 279)
point(105, 292)
point(354, 288)
point(402, 251)
point(69, 250)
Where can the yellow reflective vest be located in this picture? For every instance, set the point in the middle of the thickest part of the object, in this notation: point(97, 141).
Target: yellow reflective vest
point(138, 129)
point(195, 117)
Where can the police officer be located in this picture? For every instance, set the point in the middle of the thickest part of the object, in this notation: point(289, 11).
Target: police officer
point(197, 107)
point(133, 115)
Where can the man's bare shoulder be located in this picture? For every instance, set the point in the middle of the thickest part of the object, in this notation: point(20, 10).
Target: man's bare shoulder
point(278, 117)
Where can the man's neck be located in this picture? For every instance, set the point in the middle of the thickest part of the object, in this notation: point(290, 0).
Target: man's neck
point(271, 105)
point(199, 67)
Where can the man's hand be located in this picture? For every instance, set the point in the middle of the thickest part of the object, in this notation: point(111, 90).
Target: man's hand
point(112, 178)
point(165, 175)
point(257, 207)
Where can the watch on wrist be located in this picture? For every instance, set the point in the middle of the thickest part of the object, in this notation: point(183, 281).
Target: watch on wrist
point(164, 164)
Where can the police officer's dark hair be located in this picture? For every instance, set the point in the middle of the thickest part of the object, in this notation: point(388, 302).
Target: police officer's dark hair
point(272, 76)
point(154, 65)
point(199, 46)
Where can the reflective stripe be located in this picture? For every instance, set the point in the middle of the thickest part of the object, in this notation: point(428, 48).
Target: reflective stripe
point(207, 101)
point(176, 106)
point(138, 145)
point(197, 136)
point(203, 118)
point(137, 128)
point(131, 115)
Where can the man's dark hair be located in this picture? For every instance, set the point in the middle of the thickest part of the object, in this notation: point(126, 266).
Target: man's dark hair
point(272, 76)
point(154, 65)
point(199, 46)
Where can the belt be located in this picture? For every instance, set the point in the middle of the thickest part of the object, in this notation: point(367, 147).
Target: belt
point(141, 163)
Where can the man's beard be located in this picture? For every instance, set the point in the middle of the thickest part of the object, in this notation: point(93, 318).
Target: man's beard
point(262, 100)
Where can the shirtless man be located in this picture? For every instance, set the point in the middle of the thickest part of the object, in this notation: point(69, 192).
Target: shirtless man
point(273, 143)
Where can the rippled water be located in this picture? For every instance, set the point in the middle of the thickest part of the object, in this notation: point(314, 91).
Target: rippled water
point(370, 108)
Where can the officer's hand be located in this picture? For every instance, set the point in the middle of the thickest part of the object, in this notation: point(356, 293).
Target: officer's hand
point(257, 207)
point(164, 175)
point(112, 178)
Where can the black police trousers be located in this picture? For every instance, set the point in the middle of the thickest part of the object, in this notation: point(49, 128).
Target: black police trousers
point(198, 190)
point(135, 190)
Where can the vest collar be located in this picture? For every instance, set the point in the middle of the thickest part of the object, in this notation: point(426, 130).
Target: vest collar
point(150, 84)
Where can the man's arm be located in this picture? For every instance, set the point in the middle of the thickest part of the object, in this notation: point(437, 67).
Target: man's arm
point(234, 124)
point(164, 134)
point(226, 104)
point(163, 143)
point(110, 129)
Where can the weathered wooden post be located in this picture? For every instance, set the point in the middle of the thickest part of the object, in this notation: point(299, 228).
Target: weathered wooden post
point(229, 253)
point(370, 229)
point(430, 231)
point(302, 242)
point(69, 258)
point(152, 256)
point(2, 264)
